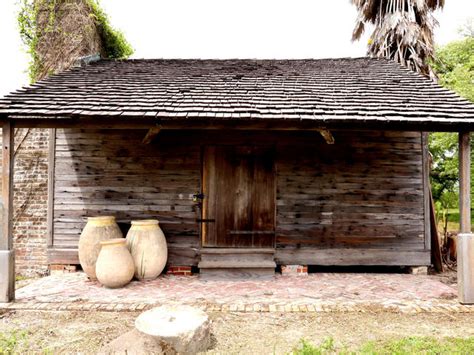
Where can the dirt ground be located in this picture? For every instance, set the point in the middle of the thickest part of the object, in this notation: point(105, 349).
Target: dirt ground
point(255, 333)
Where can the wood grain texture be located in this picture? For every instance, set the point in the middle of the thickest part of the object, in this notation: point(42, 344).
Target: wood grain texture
point(239, 196)
point(111, 172)
point(6, 237)
point(51, 167)
point(426, 189)
point(364, 193)
point(344, 256)
point(465, 181)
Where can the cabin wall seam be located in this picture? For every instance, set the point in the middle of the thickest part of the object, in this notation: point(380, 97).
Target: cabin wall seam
point(426, 189)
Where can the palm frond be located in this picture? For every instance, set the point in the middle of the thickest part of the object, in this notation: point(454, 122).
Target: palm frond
point(403, 30)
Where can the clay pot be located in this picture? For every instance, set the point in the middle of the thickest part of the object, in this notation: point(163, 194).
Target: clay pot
point(147, 244)
point(114, 267)
point(96, 230)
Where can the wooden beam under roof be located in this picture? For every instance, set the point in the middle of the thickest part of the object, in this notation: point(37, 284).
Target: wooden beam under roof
point(98, 122)
point(327, 135)
point(151, 134)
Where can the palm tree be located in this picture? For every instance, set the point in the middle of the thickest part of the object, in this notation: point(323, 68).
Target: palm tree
point(403, 30)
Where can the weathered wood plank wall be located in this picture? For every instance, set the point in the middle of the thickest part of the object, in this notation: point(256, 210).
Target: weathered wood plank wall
point(365, 192)
point(113, 173)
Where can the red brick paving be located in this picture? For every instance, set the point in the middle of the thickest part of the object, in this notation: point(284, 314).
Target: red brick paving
point(312, 293)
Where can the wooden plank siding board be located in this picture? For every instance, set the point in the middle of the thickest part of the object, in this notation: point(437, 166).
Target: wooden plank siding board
point(426, 190)
point(364, 193)
point(113, 172)
point(51, 175)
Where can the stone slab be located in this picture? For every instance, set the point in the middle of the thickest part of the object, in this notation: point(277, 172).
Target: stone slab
point(465, 260)
point(181, 329)
point(418, 270)
point(7, 275)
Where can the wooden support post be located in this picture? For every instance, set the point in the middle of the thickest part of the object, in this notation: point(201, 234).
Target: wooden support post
point(7, 263)
point(152, 133)
point(465, 245)
point(465, 182)
point(327, 135)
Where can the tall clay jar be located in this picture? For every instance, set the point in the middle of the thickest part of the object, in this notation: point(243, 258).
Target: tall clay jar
point(96, 230)
point(147, 244)
point(114, 266)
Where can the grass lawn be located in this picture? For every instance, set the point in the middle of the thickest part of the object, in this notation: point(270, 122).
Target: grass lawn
point(408, 345)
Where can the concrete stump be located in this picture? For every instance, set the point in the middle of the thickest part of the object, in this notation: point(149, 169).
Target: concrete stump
point(165, 330)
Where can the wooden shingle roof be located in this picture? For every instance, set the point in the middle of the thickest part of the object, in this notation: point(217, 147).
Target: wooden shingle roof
point(326, 90)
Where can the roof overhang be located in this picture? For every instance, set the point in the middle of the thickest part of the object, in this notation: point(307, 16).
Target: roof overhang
point(435, 124)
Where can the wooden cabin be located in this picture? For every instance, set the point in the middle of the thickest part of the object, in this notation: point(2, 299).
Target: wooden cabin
point(247, 164)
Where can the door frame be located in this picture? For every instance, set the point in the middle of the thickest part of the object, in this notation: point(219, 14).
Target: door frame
point(203, 217)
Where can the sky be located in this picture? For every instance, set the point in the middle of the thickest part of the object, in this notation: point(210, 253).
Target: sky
point(225, 29)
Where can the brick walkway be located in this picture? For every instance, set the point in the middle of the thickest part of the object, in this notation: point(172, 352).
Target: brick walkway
point(313, 293)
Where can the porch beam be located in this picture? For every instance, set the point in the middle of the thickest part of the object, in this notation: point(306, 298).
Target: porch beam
point(151, 134)
point(123, 122)
point(465, 243)
point(7, 259)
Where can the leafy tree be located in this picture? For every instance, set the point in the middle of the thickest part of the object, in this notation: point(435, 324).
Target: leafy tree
point(454, 65)
point(57, 32)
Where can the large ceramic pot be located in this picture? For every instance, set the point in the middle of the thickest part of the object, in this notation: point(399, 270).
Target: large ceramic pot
point(96, 230)
point(114, 267)
point(147, 244)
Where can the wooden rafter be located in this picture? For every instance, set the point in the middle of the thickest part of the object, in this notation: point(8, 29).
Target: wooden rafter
point(327, 135)
point(151, 134)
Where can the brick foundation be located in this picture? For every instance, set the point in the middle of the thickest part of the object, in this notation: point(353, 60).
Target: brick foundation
point(55, 269)
point(294, 270)
point(179, 270)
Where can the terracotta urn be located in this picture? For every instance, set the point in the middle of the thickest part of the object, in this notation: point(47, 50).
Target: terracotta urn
point(147, 244)
point(96, 230)
point(114, 267)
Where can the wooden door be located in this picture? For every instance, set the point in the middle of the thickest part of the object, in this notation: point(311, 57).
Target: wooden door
point(239, 196)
